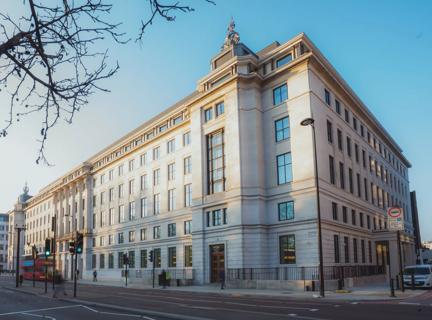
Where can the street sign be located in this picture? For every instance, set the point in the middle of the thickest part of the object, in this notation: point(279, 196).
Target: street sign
point(395, 218)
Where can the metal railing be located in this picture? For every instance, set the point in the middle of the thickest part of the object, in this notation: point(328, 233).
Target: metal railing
point(304, 273)
point(176, 274)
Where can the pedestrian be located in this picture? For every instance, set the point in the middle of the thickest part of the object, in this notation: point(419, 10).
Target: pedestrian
point(95, 276)
point(168, 278)
point(222, 278)
point(163, 278)
point(60, 287)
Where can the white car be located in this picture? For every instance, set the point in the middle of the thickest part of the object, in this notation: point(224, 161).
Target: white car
point(422, 276)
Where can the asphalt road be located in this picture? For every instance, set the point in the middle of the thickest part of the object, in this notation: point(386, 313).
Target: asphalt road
point(175, 304)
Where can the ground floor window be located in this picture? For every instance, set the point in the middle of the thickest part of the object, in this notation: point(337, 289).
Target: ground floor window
point(111, 261)
point(120, 260)
point(157, 257)
point(143, 259)
point(287, 249)
point(131, 258)
point(172, 257)
point(93, 261)
point(188, 256)
point(102, 261)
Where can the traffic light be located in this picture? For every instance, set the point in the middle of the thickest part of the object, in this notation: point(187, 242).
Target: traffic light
point(72, 246)
point(47, 247)
point(125, 258)
point(151, 256)
point(79, 242)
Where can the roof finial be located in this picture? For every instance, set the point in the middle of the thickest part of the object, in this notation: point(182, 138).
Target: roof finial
point(26, 188)
point(232, 37)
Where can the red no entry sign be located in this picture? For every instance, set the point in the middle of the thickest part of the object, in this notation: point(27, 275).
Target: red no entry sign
point(394, 212)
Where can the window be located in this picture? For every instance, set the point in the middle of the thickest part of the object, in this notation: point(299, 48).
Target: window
point(370, 251)
point(353, 217)
point(368, 223)
point(120, 238)
point(344, 214)
point(143, 234)
point(188, 256)
point(132, 211)
point(339, 137)
point(216, 217)
point(187, 165)
point(171, 171)
point(131, 165)
point(286, 210)
point(156, 153)
point(156, 177)
point(131, 186)
point(143, 159)
point(346, 250)
point(157, 257)
point(120, 190)
point(348, 142)
point(356, 151)
point(122, 217)
point(341, 175)
point(143, 258)
point(171, 146)
point(120, 259)
point(336, 248)
point(110, 261)
point(338, 108)
point(332, 170)
point(361, 220)
point(287, 251)
point(186, 139)
point(284, 60)
point(355, 250)
point(365, 183)
point(102, 178)
point(102, 199)
point(156, 232)
point(364, 158)
point(216, 165)
point(282, 129)
point(280, 94)
point(355, 123)
point(363, 251)
point(329, 132)
point(347, 119)
point(111, 216)
point(93, 261)
point(220, 109)
point(111, 194)
point(284, 168)
point(187, 227)
point(144, 183)
point(132, 236)
point(156, 203)
point(350, 180)
point(171, 199)
point(358, 185)
point(327, 97)
point(362, 130)
point(120, 170)
point(208, 114)
point(188, 195)
point(334, 211)
point(144, 208)
point(172, 257)
point(131, 257)
point(111, 174)
point(110, 239)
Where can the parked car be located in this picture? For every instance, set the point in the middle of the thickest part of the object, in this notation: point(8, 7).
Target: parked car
point(422, 276)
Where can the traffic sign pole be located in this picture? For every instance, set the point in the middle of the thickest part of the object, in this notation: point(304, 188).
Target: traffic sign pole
point(400, 262)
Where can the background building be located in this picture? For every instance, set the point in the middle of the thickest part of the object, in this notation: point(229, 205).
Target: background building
point(224, 180)
point(4, 228)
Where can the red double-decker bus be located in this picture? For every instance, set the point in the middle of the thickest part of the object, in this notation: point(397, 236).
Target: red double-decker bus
point(39, 270)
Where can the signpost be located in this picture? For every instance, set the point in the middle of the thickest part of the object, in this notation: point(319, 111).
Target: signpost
point(396, 223)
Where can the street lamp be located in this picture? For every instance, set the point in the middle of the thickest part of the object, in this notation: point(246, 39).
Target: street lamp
point(310, 122)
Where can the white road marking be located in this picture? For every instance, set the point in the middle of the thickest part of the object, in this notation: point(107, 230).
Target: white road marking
point(313, 310)
point(336, 305)
point(37, 315)
point(262, 306)
point(117, 314)
point(91, 309)
point(292, 314)
point(354, 302)
point(37, 310)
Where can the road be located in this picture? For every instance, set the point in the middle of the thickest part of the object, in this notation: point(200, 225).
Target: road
point(164, 304)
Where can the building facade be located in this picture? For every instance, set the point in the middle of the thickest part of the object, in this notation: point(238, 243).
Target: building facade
point(225, 178)
point(4, 228)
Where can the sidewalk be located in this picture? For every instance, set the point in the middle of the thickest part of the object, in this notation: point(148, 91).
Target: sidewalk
point(372, 292)
point(378, 292)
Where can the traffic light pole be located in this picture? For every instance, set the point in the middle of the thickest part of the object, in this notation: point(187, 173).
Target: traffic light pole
point(54, 249)
point(34, 264)
point(153, 272)
point(76, 265)
point(46, 273)
point(126, 273)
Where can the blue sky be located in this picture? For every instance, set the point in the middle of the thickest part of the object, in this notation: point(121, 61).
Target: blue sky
point(381, 48)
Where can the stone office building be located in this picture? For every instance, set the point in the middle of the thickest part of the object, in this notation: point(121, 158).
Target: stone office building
point(4, 228)
point(225, 178)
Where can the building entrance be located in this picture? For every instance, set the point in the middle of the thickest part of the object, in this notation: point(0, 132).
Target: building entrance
point(217, 261)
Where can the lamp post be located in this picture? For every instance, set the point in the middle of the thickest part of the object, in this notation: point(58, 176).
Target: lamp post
point(17, 275)
point(310, 122)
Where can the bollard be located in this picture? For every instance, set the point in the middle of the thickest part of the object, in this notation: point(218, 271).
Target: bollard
point(412, 281)
point(392, 291)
